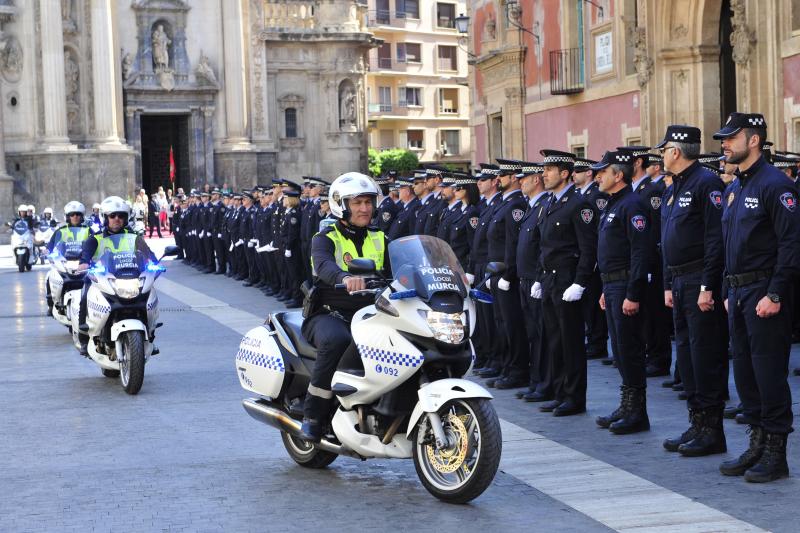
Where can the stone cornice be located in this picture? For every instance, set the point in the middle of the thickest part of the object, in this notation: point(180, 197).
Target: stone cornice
point(504, 59)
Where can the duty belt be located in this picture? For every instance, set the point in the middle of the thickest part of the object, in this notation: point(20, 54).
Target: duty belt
point(687, 268)
point(618, 275)
point(567, 265)
point(740, 280)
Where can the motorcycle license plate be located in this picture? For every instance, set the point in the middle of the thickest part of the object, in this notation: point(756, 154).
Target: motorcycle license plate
point(21, 251)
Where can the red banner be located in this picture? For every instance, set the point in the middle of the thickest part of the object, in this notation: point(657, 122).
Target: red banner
point(171, 166)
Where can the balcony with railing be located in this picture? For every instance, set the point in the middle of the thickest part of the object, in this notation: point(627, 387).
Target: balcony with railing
point(566, 71)
point(290, 15)
point(377, 109)
point(394, 19)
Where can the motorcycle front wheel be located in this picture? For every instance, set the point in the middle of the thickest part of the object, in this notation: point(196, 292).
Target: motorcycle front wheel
point(131, 361)
point(21, 263)
point(465, 468)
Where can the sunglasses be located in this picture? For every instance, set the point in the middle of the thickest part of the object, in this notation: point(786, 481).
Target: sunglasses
point(664, 150)
point(117, 215)
point(74, 214)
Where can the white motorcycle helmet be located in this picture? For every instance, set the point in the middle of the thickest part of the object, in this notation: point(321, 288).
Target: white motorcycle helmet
point(95, 206)
point(346, 186)
point(74, 207)
point(48, 211)
point(22, 209)
point(114, 204)
point(32, 209)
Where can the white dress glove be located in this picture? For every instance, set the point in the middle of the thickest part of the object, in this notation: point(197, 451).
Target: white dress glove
point(573, 293)
point(287, 253)
point(470, 279)
point(503, 284)
point(536, 291)
point(489, 284)
point(201, 234)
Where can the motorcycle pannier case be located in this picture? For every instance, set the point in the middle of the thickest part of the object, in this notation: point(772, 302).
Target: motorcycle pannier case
point(259, 363)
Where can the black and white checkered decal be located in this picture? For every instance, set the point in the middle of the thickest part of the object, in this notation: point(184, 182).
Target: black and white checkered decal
point(678, 136)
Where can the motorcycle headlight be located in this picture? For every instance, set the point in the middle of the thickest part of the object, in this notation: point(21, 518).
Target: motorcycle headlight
point(127, 288)
point(71, 265)
point(447, 327)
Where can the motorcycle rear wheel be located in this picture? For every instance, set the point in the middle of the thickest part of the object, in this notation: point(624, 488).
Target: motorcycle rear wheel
point(305, 453)
point(461, 473)
point(131, 361)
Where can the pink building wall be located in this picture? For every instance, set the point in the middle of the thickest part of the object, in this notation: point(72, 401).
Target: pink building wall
point(601, 118)
point(481, 138)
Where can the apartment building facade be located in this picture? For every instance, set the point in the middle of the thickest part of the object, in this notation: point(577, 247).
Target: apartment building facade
point(417, 94)
point(588, 75)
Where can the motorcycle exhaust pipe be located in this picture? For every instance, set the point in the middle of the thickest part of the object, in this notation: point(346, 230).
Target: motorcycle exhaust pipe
point(272, 415)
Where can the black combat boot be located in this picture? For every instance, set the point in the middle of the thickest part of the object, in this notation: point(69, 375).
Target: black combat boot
point(772, 464)
point(711, 437)
point(619, 412)
point(635, 417)
point(749, 458)
point(315, 417)
point(695, 421)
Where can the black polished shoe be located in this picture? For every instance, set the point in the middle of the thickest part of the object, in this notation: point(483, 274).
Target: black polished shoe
point(683, 395)
point(521, 393)
point(311, 430)
point(618, 413)
point(772, 464)
point(248, 283)
point(510, 383)
point(550, 406)
point(731, 411)
point(668, 384)
point(695, 421)
point(220, 272)
point(491, 382)
point(596, 355)
point(654, 372)
point(476, 371)
point(537, 396)
point(710, 439)
point(607, 362)
point(634, 417)
point(489, 373)
point(750, 457)
point(569, 408)
point(677, 387)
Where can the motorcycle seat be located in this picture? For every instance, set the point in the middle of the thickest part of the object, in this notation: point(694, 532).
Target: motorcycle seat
point(292, 322)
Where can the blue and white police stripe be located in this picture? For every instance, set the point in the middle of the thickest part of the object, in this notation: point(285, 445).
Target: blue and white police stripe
point(270, 362)
point(392, 358)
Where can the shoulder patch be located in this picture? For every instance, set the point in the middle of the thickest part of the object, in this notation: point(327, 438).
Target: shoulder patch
point(716, 198)
point(473, 222)
point(639, 222)
point(517, 214)
point(587, 215)
point(293, 220)
point(601, 203)
point(386, 216)
point(789, 201)
point(655, 202)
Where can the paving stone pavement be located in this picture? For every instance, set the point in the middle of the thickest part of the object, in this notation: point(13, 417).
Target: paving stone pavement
point(78, 454)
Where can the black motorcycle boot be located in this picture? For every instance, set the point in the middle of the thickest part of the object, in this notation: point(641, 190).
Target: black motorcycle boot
point(635, 418)
point(315, 414)
point(772, 464)
point(749, 458)
point(695, 421)
point(619, 412)
point(710, 439)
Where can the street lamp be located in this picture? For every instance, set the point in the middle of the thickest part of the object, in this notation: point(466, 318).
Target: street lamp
point(462, 23)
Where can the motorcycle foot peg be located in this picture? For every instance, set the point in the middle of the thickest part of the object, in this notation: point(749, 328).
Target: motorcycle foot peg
point(155, 351)
point(158, 325)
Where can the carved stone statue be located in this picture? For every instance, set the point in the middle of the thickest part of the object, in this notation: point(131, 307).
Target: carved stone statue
point(11, 58)
point(204, 73)
point(161, 43)
point(347, 106)
point(127, 66)
point(71, 74)
point(742, 37)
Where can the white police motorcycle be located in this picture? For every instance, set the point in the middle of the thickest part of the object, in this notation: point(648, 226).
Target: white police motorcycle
point(122, 310)
point(42, 236)
point(399, 389)
point(25, 253)
point(65, 279)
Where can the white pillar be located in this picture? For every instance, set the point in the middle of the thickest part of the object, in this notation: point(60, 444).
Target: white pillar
point(53, 84)
point(6, 181)
point(106, 76)
point(235, 86)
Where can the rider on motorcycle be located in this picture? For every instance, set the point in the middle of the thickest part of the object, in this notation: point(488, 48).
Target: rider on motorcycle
point(353, 198)
point(96, 217)
point(32, 215)
point(47, 215)
point(74, 211)
point(115, 213)
point(22, 214)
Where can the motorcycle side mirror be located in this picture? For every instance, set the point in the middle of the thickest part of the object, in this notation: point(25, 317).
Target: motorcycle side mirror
point(361, 266)
point(494, 268)
point(170, 251)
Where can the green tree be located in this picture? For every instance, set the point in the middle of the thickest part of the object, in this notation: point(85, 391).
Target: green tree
point(374, 162)
point(402, 161)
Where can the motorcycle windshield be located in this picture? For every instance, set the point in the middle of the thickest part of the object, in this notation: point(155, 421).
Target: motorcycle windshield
point(20, 227)
point(124, 256)
point(70, 249)
point(44, 227)
point(426, 265)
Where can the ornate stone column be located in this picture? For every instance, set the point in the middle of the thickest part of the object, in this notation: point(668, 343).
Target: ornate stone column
point(105, 75)
point(54, 93)
point(7, 14)
point(236, 102)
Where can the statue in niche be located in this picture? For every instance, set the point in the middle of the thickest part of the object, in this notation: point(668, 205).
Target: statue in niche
point(11, 58)
point(347, 106)
point(203, 72)
point(71, 74)
point(127, 66)
point(161, 43)
point(67, 22)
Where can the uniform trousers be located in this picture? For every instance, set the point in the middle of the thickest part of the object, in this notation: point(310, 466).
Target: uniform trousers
point(595, 319)
point(221, 253)
point(566, 351)
point(540, 377)
point(761, 358)
point(657, 324)
point(701, 343)
point(508, 316)
point(626, 335)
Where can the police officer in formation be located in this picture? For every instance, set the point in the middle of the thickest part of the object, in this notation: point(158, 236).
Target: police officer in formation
point(630, 248)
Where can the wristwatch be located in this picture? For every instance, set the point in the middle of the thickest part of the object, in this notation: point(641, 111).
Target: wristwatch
point(774, 298)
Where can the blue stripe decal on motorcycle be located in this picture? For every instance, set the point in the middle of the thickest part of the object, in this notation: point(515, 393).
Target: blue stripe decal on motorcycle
point(259, 359)
point(392, 358)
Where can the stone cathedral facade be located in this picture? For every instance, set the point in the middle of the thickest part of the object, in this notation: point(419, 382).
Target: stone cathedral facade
point(95, 94)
